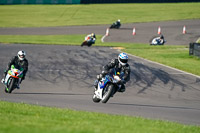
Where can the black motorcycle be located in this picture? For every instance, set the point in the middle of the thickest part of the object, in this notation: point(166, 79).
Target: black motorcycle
point(115, 25)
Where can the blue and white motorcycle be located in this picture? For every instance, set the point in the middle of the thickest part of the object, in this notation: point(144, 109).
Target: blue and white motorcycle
point(108, 86)
point(159, 40)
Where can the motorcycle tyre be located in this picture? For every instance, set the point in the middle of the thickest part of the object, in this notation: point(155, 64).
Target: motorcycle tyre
point(10, 86)
point(95, 99)
point(108, 93)
point(84, 44)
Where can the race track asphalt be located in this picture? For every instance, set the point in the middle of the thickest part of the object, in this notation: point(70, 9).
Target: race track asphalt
point(63, 76)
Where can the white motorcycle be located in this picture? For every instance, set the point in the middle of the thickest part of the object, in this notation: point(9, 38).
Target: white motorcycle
point(88, 41)
point(12, 78)
point(157, 41)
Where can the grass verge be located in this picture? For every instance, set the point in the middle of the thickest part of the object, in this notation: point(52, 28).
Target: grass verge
point(92, 14)
point(175, 56)
point(23, 118)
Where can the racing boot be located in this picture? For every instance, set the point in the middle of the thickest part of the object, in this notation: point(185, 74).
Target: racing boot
point(19, 81)
point(2, 81)
point(122, 89)
point(95, 84)
point(99, 77)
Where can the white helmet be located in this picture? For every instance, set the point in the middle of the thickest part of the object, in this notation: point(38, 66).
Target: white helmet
point(21, 55)
point(123, 59)
point(118, 20)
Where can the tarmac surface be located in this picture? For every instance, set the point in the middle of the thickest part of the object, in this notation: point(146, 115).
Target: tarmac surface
point(63, 76)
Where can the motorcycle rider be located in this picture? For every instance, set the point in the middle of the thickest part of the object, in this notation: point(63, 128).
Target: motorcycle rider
point(91, 38)
point(121, 65)
point(18, 61)
point(117, 24)
point(160, 39)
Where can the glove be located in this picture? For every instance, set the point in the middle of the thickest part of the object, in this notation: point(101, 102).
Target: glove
point(5, 71)
point(104, 73)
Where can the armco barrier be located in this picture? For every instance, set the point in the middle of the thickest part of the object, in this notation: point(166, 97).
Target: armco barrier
point(10, 2)
point(135, 1)
point(194, 49)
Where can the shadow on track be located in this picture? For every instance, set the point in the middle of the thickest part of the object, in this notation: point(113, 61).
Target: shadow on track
point(148, 76)
point(40, 93)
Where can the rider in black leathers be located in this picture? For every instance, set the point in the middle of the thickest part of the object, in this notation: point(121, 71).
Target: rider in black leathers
point(18, 61)
point(116, 24)
point(120, 65)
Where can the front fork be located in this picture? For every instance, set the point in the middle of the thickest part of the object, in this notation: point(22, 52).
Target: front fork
point(6, 79)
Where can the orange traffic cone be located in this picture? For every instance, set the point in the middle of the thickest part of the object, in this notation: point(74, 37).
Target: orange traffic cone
point(134, 31)
point(184, 29)
point(159, 30)
point(107, 32)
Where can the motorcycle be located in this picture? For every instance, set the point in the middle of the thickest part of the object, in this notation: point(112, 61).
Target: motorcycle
point(12, 79)
point(107, 86)
point(157, 41)
point(115, 26)
point(88, 41)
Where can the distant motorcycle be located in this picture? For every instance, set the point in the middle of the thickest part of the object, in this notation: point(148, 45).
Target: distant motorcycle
point(157, 41)
point(12, 78)
point(115, 25)
point(88, 41)
point(107, 86)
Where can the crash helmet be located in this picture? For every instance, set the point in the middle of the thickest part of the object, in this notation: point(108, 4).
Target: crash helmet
point(21, 55)
point(161, 37)
point(123, 59)
point(118, 20)
point(93, 35)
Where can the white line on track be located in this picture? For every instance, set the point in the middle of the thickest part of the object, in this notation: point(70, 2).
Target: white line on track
point(102, 39)
point(198, 40)
point(181, 72)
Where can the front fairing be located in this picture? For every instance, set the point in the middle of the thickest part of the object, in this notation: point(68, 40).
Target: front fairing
point(14, 72)
point(102, 84)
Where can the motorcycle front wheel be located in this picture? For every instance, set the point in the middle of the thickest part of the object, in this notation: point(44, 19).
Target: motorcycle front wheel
point(95, 99)
point(107, 93)
point(10, 85)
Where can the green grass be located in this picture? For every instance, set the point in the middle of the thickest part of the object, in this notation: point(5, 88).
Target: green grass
point(44, 39)
point(24, 118)
point(92, 14)
point(174, 56)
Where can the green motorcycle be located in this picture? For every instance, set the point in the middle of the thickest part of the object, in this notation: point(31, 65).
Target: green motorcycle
point(12, 78)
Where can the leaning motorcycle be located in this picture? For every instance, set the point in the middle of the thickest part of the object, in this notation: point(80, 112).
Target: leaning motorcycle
point(107, 86)
point(157, 41)
point(115, 26)
point(88, 42)
point(12, 78)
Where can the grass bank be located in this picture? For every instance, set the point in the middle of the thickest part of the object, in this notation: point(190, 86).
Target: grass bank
point(175, 56)
point(24, 118)
point(92, 14)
